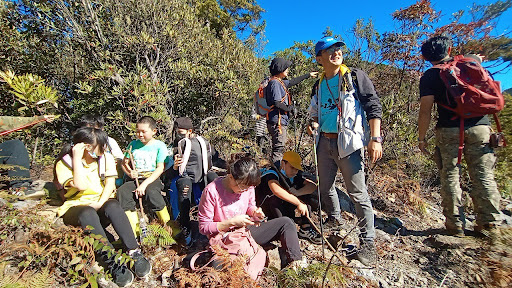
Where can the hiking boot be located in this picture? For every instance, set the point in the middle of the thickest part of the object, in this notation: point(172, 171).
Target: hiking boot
point(310, 234)
point(456, 232)
point(490, 231)
point(367, 253)
point(332, 223)
point(141, 266)
point(121, 275)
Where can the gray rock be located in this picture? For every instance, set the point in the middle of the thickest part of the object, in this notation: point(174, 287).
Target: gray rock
point(25, 205)
point(3, 202)
point(506, 219)
point(382, 283)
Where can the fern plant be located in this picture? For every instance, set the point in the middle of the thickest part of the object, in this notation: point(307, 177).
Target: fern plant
point(158, 236)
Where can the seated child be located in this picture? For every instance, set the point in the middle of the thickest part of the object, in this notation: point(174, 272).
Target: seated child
point(192, 166)
point(149, 156)
point(88, 174)
point(98, 122)
point(276, 201)
point(229, 202)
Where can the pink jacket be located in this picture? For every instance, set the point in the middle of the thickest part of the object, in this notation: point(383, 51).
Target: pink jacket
point(218, 204)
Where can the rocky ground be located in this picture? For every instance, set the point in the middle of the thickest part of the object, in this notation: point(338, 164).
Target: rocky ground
point(413, 252)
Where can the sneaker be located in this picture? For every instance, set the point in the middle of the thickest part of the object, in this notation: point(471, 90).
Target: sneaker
point(332, 223)
point(367, 253)
point(121, 275)
point(141, 266)
point(298, 264)
point(185, 237)
point(310, 234)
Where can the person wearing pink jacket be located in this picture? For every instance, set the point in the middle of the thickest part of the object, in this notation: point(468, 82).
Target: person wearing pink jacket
point(229, 202)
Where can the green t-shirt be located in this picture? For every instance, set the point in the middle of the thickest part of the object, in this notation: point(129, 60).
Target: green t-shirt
point(146, 157)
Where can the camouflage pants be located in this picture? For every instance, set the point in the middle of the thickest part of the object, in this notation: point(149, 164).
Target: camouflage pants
point(480, 160)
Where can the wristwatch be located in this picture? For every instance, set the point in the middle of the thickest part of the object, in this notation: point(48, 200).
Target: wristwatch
point(377, 139)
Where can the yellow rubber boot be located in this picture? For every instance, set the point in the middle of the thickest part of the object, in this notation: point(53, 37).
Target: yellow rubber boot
point(133, 217)
point(163, 215)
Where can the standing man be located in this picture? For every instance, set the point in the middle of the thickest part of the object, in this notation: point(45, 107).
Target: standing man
point(479, 155)
point(281, 105)
point(338, 109)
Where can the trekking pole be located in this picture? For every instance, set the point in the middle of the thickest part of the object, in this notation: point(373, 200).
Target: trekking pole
point(142, 220)
point(315, 134)
point(343, 261)
point(295, 125)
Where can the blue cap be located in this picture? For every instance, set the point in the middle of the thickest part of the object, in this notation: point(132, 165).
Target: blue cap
point(326, 43)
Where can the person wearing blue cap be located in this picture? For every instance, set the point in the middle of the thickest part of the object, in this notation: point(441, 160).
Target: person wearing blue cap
point(342, 101)
point(280, 102)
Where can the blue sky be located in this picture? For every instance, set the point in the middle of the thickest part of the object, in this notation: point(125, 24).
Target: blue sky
point(297, 20)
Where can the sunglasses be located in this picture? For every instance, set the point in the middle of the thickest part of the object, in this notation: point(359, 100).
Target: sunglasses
point(333, 49)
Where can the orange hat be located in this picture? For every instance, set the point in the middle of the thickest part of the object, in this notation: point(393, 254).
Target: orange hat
point(293, 158)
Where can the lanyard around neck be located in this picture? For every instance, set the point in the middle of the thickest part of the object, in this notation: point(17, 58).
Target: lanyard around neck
point(332, 95)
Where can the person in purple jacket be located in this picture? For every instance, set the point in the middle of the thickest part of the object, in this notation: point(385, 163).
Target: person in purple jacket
point(229, 203)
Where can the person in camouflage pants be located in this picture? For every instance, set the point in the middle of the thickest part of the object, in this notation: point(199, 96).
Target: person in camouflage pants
point(480, 161)
point(478, 153)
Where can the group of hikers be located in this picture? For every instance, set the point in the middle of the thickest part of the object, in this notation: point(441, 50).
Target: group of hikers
point(262, 204)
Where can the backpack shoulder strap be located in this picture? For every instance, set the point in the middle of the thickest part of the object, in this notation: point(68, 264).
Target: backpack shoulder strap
point(185, 155)
point(68, 161)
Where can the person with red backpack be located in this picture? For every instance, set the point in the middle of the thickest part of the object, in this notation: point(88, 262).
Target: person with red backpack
point(280, 104)
point(460, 131)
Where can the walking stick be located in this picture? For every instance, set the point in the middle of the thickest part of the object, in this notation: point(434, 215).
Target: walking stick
point(315, 134)
point(295, 125)
point(142, 220)
point(343, 261)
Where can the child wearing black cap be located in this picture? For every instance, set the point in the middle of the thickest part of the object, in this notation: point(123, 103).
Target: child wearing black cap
point(281, 104)
point(192, 162)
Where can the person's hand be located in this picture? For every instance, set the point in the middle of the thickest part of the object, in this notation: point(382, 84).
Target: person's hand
point(96, 205)
point(313, 74)
point(241, 221)
point(422, 145)
point(313, 128)
point(78, 150)
point(140, 191)
point(256, 116)
point(258, 214)
point(303, 209)
point(49, 118)
point(375, 150)
point(177, 162)
point(134, 174)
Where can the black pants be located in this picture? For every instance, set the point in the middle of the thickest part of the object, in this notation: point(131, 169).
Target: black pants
point(274, 207)
point(185, 196)
point(153, 194)
point(110, 212)
point(282, 229)
point(14, 153)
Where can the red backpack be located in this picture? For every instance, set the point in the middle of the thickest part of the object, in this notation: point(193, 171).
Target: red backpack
point(474, 91)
